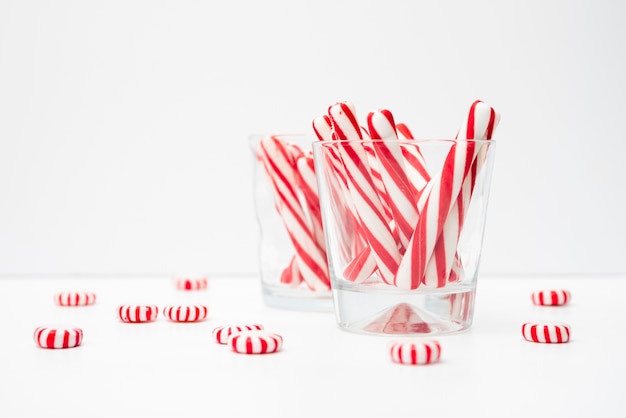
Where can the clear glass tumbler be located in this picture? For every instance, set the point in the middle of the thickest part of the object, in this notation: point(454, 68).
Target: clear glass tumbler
point(292, 247)
point(404, 223)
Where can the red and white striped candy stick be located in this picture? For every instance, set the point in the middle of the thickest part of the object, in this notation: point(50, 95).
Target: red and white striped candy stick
point(309, 200)
point(414, 162)
point(456, 273)
point(361, 267)
point(363, 192)
point(345, 125)
point(442, 196)
point(365, 134)
point(404, 131)
point(291, 275)
point(479, 124)
point(361, 263)
point(377, 177)
point(311, 259)
point(355, 251)
point(307, 182)
point(337, 184)
point(400, 197)
point(322, 127)
point(442, 264)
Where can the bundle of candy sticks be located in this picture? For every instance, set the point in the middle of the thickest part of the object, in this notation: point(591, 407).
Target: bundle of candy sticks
point(291, 174)
point(406, 221)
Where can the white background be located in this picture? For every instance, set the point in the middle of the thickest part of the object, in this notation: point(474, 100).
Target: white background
point(124, 124)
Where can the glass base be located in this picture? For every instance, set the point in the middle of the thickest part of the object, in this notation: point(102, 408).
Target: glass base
point(391, 312)
point(297, 299)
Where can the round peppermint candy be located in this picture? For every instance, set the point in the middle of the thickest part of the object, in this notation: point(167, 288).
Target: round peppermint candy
point(415, 352)
point(255, 342)
point(137, 313)
point(554, 297)
point(223, 333)
point(75, 298)
point(185, 313)
point(546, 332)
point(58, 337)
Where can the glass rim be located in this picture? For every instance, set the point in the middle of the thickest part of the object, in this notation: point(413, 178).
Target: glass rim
point(282, 135)
point(404, 141)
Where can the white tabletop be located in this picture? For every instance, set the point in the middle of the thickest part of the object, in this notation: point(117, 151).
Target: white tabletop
point(177, 370)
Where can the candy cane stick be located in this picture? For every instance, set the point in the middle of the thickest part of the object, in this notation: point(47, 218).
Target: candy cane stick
point(291, 274)
point(479, 124)
point(404, 131)
point(363, 265)
point(322, 128)
point(437, 206)
point(344, 122)
point(414, 162)
point(356, 253)
point(471, 130)
point(377, 178)
point(338, 184)
point(307, 182)
point(400, 197)
point(416, 170)
point(309, 256)
point(363, 191)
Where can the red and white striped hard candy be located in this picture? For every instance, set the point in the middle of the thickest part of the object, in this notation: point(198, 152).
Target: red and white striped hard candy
point(415, 166)
point(412, 269)
point(306, 180)
point(438, 229)
point(291, 276)
point(185, 313)
point(403, 131)
point(137, 313)
point(415, 352)
point(480, 123)
point(75, 298)
point(344, 122)
point(223, 333)
point(361, 267)
point(554, 297)
point(256, 342)
point(187, 283)
point(58, 337)
point(546, 332)
point(381, 238)
point(322, 128)
point(279, 161)
point(377, 180)
point(393, 172)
